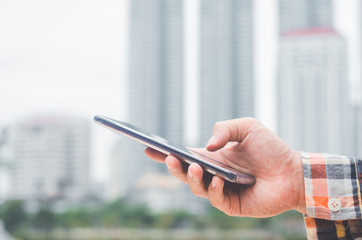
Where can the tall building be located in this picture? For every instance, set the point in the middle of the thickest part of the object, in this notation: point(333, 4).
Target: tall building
point(156, 67)
point(51, 158)
point(5, 156)
point(314, 108)
point(358, 130)
point(155, 84)
point(302, 14)
point(226, 62)
point(156, 104)
point(119, 170)
point(313, 100)
point(358, 107)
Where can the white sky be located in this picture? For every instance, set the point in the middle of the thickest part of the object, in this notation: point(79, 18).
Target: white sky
point(64, 56)
point(70, 57)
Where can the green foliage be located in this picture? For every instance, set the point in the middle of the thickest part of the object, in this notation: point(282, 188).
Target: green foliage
point(13, 215)
point(175, 219)
point(44, 219)
point(80, 217)
point(119, 214)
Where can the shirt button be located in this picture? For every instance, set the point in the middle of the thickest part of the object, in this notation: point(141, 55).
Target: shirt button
point(334, 204)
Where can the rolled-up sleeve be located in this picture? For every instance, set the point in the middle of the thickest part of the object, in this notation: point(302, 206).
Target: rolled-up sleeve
point(333, 196)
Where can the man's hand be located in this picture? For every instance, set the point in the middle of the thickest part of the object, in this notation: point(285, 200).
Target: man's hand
point(245, 144)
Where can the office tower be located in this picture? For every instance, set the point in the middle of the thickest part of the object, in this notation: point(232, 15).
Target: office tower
point(119, 168)
point(314, 108)
point(51, 158)
point(313, 100)
point(5, 156)
point(301, 14)
point(357, 130)
point(155, 103)
point(156, 67)
point(155, 81)
point(226, 62)
point(358, 107)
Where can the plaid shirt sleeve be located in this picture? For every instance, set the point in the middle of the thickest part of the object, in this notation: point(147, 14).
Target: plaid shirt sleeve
point(333, 196)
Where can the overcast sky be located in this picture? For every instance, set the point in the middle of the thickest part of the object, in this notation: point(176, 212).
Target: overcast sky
point(70, 57)
point(64, 57)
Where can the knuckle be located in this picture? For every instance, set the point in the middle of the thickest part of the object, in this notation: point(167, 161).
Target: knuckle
point(252, 123)
point(200, 195)
point(213, 203)
point(197, 191)
point(251, 120)
point(231, 213)
point(218, 124)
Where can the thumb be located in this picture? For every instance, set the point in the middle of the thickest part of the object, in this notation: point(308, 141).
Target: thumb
point(234, 130)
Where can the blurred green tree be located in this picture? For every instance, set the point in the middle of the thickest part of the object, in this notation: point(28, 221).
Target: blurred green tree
point(44, 219)
point(80, 217)
point(13, 214)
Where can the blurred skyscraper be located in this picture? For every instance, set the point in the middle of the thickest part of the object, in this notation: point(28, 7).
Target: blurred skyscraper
point(227, 62)
point(303, 14)
point(5, 156)
point(156, 67)
point(358, 129)
point(118, 171)
point(155, 88)
point(51, 158)
point(314, 107)
point(358, 107)
point(155, 75)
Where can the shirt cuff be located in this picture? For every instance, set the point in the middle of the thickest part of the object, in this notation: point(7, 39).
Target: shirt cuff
point(327, 229)
point(332, 188)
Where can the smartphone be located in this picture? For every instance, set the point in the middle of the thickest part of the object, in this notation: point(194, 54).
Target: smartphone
point(186, 155)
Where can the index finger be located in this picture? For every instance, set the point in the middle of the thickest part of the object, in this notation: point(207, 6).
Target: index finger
point(234, 130)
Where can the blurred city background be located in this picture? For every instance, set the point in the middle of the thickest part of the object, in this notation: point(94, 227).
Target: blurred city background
point(172, 67)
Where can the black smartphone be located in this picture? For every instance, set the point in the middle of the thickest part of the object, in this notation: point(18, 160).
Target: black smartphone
point(187, 155)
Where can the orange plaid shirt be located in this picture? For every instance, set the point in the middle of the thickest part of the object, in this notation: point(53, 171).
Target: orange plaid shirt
point(333, 196)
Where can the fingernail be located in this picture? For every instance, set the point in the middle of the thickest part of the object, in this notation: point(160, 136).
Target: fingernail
point(213, 183)
point(190, 174)
point(212, 140)
point(169, 167)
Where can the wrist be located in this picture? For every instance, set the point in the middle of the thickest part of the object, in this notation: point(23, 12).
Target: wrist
point(299, 188)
